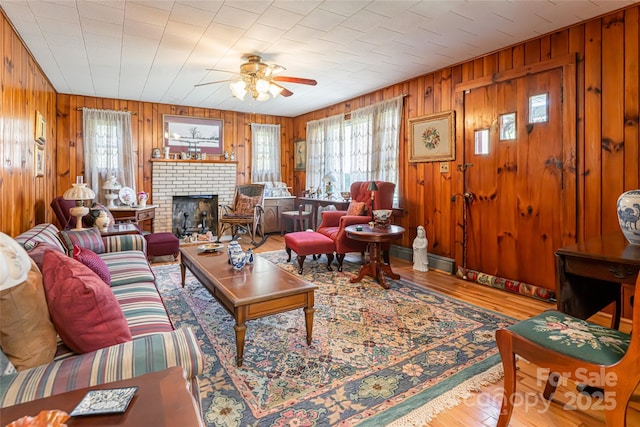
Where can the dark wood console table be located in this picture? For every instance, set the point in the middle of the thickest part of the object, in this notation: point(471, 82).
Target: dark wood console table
point(590, 274)
point(163, 399)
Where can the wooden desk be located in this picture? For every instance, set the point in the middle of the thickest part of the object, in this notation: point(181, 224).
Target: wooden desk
point(316, 204)
point(135, 214)
point(589, 275)
point(375, 237)
point(259, 289)
point(162, 399)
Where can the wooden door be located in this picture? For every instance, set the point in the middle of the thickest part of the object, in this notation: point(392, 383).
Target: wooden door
point(515, 213)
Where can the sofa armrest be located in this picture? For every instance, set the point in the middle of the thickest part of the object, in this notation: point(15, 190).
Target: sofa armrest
point(146, 354)
point(125, 242)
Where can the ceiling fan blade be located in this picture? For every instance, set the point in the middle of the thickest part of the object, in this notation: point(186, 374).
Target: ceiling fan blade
point(299, 80)
point(222, 71)
point(285, 91)
point(217, 81)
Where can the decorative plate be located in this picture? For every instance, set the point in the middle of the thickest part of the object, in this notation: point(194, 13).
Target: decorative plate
point(127, 196)
point(210, 247)
point(108, 401)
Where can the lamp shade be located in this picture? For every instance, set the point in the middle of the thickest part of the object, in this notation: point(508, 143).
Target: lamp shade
point(79, 191)
point(329, 178)
point(372, 186)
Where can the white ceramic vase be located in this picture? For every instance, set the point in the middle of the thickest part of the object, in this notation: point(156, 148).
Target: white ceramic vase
point(629, 215)
point(102, 222)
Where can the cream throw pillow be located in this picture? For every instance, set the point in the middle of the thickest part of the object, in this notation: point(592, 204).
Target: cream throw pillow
point(27, 335)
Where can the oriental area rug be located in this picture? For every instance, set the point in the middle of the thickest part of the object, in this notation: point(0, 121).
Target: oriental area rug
point(379, 356)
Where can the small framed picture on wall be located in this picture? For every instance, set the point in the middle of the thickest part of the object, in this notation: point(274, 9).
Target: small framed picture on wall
point(38, 160)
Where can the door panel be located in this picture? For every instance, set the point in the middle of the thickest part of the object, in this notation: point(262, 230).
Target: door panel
point(514, 220)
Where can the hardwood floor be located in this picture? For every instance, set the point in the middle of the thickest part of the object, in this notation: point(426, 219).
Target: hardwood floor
point(568, 408)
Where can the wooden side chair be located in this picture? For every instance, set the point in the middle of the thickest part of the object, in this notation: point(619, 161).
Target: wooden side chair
point(299, 217)
point(580, 350)
point(245, 214)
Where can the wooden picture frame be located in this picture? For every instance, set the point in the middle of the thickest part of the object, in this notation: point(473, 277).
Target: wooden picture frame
point(432, 137)
point(40, 134)
point(300, 156)
point(193, 134)
point(38, 160)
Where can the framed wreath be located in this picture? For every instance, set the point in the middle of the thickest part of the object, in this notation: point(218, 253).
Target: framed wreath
point(432, 138)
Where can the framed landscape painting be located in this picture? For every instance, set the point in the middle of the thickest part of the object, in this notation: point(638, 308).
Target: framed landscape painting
point(184, 133)
point(432, 138)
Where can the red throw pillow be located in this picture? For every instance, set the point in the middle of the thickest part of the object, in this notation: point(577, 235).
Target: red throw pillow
point(93, 261)
point(83, 308)
point(356, 208)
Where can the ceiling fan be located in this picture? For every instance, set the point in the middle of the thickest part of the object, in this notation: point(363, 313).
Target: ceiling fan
point(259, 79)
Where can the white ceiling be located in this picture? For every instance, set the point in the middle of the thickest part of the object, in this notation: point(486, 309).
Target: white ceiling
point(156, 51)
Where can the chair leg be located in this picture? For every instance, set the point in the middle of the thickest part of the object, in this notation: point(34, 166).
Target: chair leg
point(505, 346)
point(340, 258)
point(552, 384)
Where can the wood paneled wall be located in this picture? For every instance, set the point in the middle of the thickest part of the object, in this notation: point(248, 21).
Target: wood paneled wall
point(606, 100)
point(147, 125)
point(24, 198)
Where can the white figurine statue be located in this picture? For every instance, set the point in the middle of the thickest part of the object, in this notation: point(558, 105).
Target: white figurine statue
point(420, 258)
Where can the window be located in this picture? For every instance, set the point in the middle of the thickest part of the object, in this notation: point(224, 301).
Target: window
point(508, 127)
point(481, 137)
point(265, 153)
point(108, 149)
point(362, 148)
point(538, 111)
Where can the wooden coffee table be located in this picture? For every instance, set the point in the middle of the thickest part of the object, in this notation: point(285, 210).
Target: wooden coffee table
point(374, 237)
point(162, 399)
point(258, 290)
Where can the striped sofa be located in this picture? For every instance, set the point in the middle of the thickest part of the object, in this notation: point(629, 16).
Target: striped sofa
point(155, 346)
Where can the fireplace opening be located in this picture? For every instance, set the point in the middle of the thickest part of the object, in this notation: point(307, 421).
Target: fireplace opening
point(194, 214)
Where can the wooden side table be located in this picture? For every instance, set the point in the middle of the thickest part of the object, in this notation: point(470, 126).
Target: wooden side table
point(135, 214)
point(162, 399)
point(375, 237)
point(590, 275)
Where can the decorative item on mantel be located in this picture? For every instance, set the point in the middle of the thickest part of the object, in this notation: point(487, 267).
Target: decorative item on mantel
point(629, 215)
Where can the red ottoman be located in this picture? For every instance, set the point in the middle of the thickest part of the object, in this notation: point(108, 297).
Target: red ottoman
point(161, 244)
point(306, 243)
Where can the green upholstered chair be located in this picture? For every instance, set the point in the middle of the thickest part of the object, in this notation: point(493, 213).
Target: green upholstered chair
point(579, 350)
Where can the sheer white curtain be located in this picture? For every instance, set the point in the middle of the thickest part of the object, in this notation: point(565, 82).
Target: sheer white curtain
point(324, 150)
point(374, 141)
point(364, 148)
point(265, 153)
point(108, 149)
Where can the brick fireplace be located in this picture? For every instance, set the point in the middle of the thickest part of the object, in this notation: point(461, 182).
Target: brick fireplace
point(186, 178)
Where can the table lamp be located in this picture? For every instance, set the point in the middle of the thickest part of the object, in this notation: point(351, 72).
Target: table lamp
point(111, 189)
point(79, 192)
point(372, 187)
point(329, 179)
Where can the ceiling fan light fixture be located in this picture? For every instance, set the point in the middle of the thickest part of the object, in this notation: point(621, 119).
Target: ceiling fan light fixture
point(239, 89)
point(262, 86)
point(262, 96)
